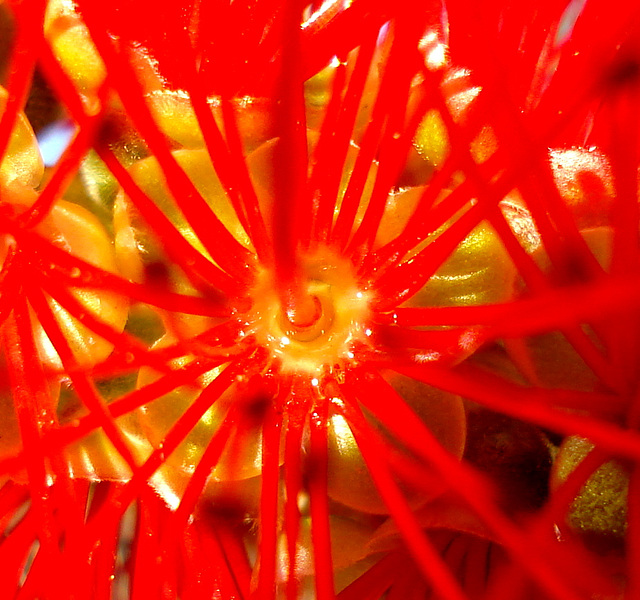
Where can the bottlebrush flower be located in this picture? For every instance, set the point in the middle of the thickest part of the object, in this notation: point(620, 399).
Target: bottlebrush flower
point(337, 300)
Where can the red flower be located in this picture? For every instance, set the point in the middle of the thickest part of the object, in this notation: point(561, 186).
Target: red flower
point(321, 300)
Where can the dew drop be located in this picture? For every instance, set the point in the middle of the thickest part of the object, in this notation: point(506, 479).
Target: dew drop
point(558, 533)
point(284, 341)
point(161, 454)
point(75, 273)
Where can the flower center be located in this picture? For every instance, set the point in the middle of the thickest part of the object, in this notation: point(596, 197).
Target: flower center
point(337, 322)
